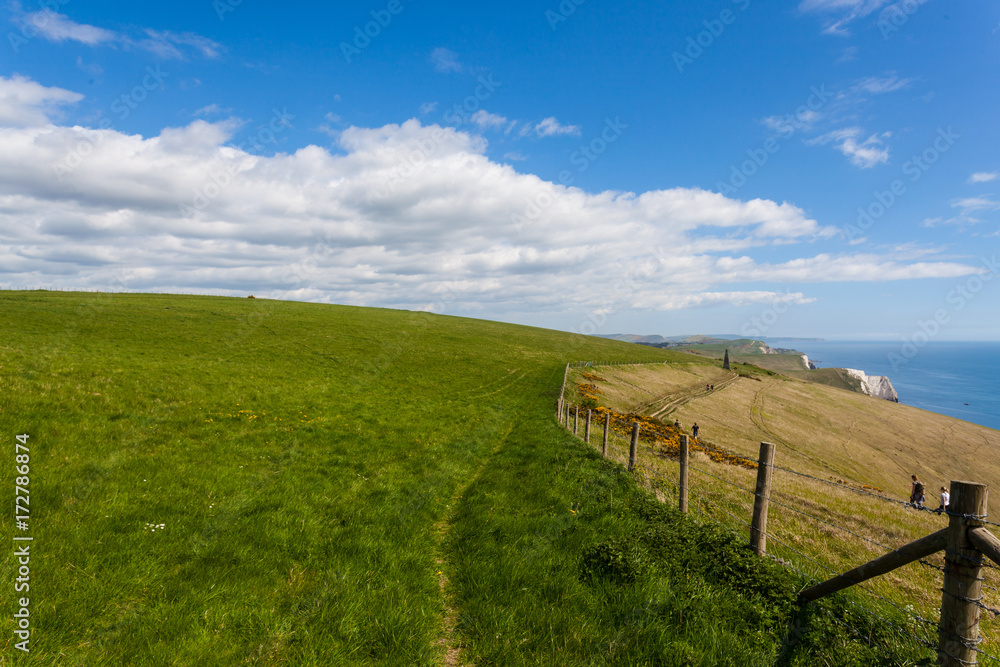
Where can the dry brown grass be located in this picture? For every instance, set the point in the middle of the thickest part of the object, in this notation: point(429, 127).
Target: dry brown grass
point(819, 430)
point(832, 434)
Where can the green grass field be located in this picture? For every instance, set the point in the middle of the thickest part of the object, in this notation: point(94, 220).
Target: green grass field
point(250, 482)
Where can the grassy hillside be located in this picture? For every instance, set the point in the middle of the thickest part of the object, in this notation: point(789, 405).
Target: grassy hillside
point(827, 433)
point(235, 481)
point(819, 429)
point(256, 481)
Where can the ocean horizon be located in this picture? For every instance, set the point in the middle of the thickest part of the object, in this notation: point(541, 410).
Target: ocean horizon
point(957, 379)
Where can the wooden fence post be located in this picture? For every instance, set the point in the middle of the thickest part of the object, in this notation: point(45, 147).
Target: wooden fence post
point(762, 495)
point(586, 428)
point(607, 427)
point(576, 419)
point(634, 446)
point(683, 482)
point(559, 406)
point(959, 629)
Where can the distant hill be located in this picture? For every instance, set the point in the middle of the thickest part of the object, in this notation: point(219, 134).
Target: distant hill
point(701, 338)
point(636, 338)
point(666, 341)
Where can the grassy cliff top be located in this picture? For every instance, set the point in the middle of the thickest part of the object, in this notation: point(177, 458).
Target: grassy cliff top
point(245, 481)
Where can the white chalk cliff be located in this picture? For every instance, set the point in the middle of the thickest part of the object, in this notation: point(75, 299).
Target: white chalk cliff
point(878, 386)
point(810, 365)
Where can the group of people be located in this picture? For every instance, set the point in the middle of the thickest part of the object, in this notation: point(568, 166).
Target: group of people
point(917, 497)
point(709, 387)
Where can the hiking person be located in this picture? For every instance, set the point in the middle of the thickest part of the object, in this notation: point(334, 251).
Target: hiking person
point(677, 424)
point(916, 492)
point(694, 430)
point(945, 501)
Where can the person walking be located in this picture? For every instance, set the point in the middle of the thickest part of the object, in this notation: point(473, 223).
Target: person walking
point(694, 430)
point(916, 492)
point(945, 501)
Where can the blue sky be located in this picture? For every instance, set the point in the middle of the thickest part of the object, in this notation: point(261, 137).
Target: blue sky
point(827, 168)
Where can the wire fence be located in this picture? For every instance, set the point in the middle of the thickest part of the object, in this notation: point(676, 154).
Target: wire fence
point(657, 467)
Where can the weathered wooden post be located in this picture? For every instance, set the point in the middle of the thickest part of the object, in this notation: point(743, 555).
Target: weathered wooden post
point(683, 482)
point(607, 427)
point(634, 446)
point(576, 419)
point(922, 548)
point(559, 406)
point(762, 493)
point(586, 428)
point(959, 630)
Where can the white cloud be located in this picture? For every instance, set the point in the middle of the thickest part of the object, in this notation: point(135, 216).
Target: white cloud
point(861, 7)
point(550, 127)
point(59, 28)
point(849, 54)
point(212, 110)
point(445, 60)
point(801, 121)
point(327, 128)
point(369, 225)
point(93, 69)
point(878, 85)
point(167, 44)
point(847, 11)
point(968, 208)
point(428, 107)
point(681, 301)
point(969, 204)
point(984, 176)
point(515, 156)
point(866, 154)
point(486, 120)
point(24, 102)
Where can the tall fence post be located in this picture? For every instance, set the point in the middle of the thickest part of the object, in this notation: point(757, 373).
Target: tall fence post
point(586, 428)
point(683, 482)
point(576, 419)
point(607, 427)
point(559, 408)
point(634, 446)
point(958, 633)
point(758, 529)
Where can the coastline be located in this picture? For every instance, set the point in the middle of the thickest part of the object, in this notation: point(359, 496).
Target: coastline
point(955, 379)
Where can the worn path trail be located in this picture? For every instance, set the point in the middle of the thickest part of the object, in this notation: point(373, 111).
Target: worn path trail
point(662, 406)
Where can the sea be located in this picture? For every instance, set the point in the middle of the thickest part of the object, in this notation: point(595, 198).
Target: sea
point(957, 379)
